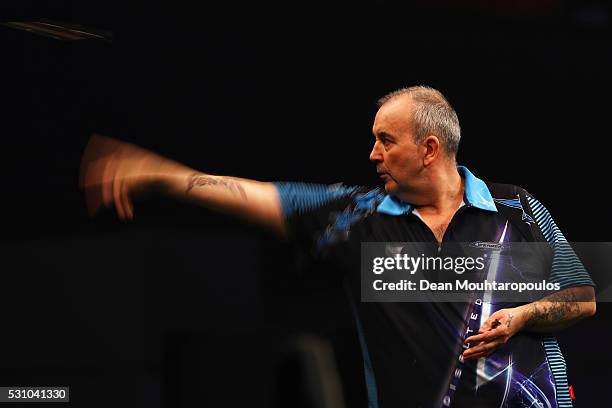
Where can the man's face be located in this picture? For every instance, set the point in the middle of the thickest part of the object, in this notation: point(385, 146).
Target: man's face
point(398, 159)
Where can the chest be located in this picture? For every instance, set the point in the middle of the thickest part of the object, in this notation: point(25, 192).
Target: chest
point(438, 224)
point(465, 225)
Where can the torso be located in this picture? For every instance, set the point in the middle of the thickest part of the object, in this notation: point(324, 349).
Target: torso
point(437, 223)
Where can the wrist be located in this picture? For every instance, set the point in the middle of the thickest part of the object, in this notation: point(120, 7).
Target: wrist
point(521, 314)
point(171, 178)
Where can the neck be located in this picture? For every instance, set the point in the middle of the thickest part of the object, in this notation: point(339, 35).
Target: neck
point(440, 190)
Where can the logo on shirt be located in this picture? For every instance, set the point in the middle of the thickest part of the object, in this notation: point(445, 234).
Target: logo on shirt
point(497, 246)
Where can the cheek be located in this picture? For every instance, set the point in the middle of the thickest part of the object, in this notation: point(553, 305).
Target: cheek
point(401, 168)
point(392, 160)
point(397, 163)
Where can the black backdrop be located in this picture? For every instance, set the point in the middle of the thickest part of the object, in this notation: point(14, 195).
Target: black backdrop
point(183, 306)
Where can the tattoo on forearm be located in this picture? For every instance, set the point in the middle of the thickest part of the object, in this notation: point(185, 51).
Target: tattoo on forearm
point(198, 180)
point(557, 307)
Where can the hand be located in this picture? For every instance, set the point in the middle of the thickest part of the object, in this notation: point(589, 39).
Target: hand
point(494, 333)
point(112, 171)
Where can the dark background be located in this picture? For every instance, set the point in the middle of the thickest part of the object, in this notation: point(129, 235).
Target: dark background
point(183, 306)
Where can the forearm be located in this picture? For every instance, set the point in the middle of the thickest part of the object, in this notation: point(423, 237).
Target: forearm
point(554, 312)
point(114, 172)
point(558, 310)
point(251, 200)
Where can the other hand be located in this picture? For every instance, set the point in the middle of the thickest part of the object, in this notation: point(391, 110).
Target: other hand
point(494, 333)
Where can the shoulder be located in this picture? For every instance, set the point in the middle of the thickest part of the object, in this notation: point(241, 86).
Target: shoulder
point(298, 198)
point(507, 191)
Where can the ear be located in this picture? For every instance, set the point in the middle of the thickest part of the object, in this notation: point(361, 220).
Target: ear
point(432, 148)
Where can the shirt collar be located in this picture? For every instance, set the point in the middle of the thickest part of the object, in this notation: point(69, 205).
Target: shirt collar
point(476, 194)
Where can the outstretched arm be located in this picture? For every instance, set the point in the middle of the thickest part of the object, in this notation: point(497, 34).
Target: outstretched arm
point(114, 172)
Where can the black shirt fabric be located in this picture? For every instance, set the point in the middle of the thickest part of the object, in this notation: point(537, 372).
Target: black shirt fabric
point(411, 350)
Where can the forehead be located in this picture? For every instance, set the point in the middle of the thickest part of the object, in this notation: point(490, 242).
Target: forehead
point(393, 116)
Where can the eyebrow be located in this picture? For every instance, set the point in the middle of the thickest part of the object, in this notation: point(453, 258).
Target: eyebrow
point(383, 134)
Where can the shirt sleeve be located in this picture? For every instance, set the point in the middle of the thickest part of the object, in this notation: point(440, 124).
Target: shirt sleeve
point(566, 269)
point(309, 210)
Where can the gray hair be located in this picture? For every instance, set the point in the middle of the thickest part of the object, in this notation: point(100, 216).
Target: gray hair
point(432, 114)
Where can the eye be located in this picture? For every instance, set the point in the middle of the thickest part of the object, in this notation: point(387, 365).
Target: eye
point(385, 142)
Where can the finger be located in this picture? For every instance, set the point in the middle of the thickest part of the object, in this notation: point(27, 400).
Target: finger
point(97, 147)
point(476, 338)
point(88, 156)
point(94, 183)
point(92, 173)
point(483, 348)
point(487, 336)
point(91, 184)
point(117, 199)
point(481, 353)
point(124, 198)
point(127, 201)
point(108, 175)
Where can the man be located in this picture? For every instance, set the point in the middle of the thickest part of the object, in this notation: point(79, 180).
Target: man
point(417, 354)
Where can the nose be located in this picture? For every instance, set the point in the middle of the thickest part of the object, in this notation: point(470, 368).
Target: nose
point(375, 154)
